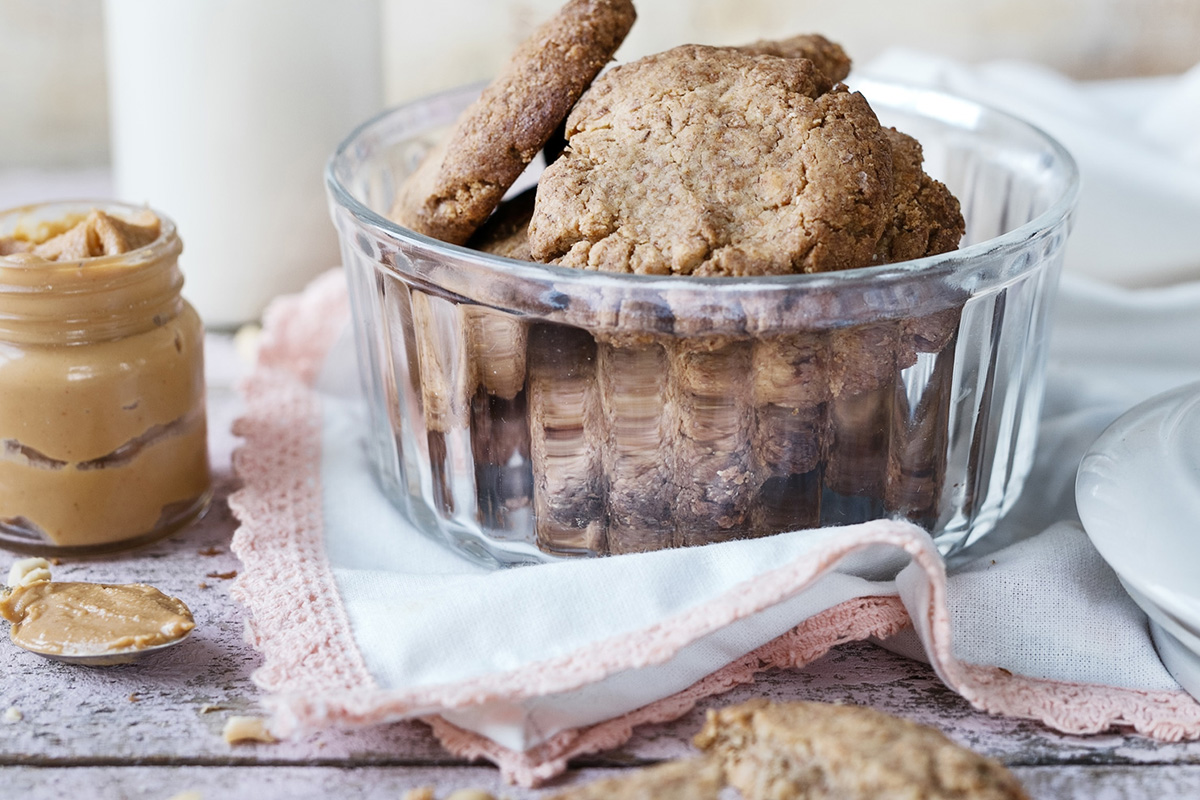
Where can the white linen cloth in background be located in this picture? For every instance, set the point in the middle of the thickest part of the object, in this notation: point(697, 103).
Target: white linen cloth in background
point(1137, 143)
point(438, 634)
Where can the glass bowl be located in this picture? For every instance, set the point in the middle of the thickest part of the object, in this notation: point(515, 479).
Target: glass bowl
point(524, 412)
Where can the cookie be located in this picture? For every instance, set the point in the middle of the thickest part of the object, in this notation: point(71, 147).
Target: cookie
point(713, 162)
point(460, 183)
point(506, 232)
point(814, 750)
point(829, 57)
point(674, 780)
point(926, 217)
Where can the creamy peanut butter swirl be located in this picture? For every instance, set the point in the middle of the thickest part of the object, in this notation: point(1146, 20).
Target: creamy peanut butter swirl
point(88, 235)
point(93, 619)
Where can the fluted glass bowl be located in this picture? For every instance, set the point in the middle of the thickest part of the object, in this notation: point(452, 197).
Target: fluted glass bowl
point(524, 412)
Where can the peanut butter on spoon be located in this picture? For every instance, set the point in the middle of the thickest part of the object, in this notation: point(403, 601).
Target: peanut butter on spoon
point(90, 623)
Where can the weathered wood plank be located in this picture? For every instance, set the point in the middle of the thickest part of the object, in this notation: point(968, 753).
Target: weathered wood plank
point(232, 783)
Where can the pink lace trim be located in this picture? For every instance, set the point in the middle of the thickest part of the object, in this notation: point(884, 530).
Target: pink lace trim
point(296, 617)
point(315, 668)
point(598, 660)
point(850, 621)
point(1080, 708)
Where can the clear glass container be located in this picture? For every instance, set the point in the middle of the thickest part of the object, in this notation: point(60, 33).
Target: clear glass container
point(524, 412)
point(102, 421)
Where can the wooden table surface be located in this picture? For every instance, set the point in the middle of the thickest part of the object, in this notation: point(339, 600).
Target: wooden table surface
point(153, 730)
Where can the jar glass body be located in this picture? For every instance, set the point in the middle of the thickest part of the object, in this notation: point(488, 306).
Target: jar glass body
point(103, 439)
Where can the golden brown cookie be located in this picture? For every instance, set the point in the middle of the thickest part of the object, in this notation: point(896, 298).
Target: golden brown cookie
point(926, 218)
point(506, 232)
point(713, 162)
point(829, 57)
point(674, 780)
point(794, 751)
point(460, 183)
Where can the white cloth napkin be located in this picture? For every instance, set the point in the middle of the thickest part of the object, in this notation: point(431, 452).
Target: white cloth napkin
point(462, 621)
point(529, 666)
point(1137, 143)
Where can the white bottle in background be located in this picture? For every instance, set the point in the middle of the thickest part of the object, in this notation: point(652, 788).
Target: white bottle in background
point(223, 115)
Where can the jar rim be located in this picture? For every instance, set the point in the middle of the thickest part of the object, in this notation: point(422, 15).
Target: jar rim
point(60, 209)
point(90, 299)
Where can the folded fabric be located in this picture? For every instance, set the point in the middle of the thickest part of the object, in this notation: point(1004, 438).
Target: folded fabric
point(1137, 144)
point(363, 619)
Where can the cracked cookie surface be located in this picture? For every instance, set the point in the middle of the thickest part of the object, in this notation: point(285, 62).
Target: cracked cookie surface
point(714, 162)
point(794, 751)
point(827, 56)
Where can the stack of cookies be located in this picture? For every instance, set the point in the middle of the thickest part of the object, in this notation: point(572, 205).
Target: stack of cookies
point(657, 429)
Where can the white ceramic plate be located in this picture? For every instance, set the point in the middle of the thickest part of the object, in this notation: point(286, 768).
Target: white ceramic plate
point(1182, 663)
point(1138, 495)
point(1184, 635)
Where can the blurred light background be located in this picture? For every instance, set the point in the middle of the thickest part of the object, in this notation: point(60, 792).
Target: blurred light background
point(53, 96)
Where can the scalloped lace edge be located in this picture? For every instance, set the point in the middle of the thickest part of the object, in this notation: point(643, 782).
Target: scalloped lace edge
point(314, 666)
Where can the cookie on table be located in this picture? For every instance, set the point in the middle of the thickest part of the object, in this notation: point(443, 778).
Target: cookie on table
point(674, 780)
point(817, 750)
point(714, 162)
point(460, 183)
point(829, 57)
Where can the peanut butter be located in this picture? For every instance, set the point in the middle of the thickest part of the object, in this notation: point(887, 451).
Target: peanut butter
point(102, 427)
point(93, 619)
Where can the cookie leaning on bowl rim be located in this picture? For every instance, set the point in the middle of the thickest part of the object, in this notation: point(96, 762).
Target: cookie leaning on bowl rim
point(462, 181)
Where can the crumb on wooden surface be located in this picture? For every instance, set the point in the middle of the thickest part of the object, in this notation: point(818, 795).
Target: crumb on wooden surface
point(240, 729)
point(28, 571)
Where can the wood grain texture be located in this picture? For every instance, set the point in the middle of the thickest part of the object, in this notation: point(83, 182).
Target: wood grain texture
point(153, 730)
point(1176, 782)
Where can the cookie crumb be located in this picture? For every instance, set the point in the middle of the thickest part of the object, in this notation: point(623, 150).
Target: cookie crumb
point(420, 793)
point(13, 714)
point(134, 697)
point(470, 794)
point(245, 342)
point(209, 551)
point(208, 709)
point(247, 729)
point(28, 571)
point(201, 585)
point(224, 576)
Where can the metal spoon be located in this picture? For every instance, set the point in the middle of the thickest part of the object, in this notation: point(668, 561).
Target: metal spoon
point(94, 624)
point(110, 658)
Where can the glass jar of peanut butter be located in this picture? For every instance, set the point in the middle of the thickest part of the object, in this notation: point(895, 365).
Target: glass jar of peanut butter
point(102, 427)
